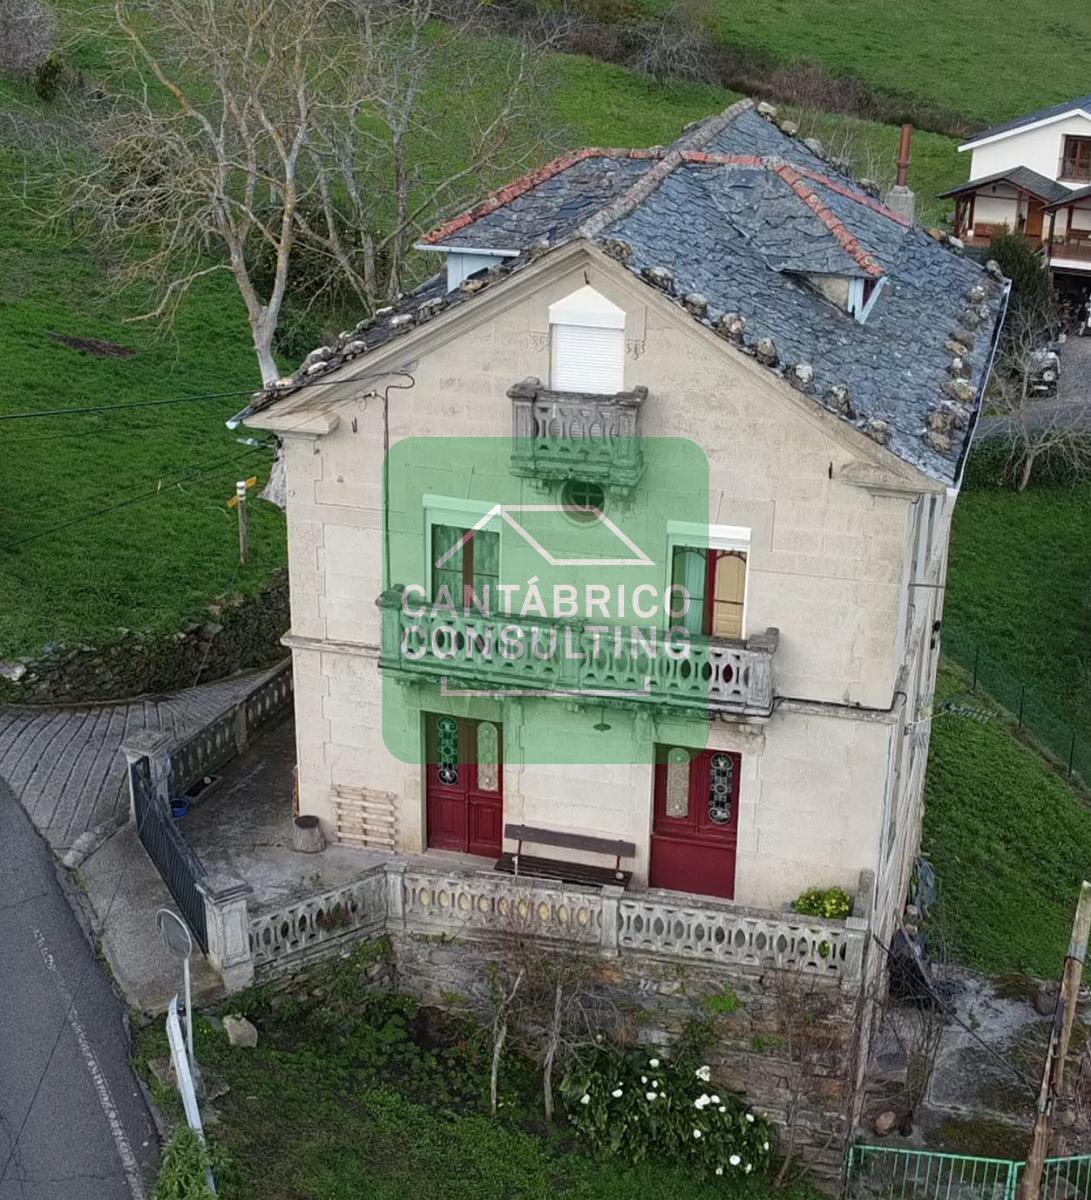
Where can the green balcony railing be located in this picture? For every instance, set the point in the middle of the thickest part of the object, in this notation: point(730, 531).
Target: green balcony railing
point(577, 659)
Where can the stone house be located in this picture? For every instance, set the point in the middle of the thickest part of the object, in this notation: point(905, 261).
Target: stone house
point(1033, 175)
point(719, 371)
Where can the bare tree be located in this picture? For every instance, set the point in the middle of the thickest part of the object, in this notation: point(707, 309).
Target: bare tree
point(1035, 427)
point(847, 142)
point(676, 45)
point(27, 30)
point(546, 1000)
point(260, 132)
point(808, 1044)
point(1027, 369)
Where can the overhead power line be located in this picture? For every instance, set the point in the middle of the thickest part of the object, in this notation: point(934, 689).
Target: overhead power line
point(91, 410)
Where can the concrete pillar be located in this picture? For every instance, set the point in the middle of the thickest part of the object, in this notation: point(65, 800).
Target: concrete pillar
point(611, 899)
point(903, 201)
point(395, 894)
point(155, 746)
point(227, 920)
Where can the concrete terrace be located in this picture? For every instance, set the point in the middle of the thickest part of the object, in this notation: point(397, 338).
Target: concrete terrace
point(67, 765)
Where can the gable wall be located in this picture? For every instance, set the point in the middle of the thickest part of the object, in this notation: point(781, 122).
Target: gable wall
point(1038, 149)
point(827, 559)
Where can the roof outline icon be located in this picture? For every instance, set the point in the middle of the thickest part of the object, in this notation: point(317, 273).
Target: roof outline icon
point(504, 511)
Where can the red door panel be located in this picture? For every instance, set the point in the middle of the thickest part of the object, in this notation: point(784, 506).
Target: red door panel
point(695, 822)
point(464, 796)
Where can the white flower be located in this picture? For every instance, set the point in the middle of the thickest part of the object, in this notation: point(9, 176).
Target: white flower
point(723, 1108)
point(696, 1133)
point(616, 1093)
point(749, 1168)
point(765, 1145)
point(704, 1074)
point(655, 1083)
point(653, 1062)
point(643, 1079)
point(719, 1170)
point(585, 1099)
point(650, 1096)
point(734, 1160)
point(701, 1102)
point(750, 1118)
point(715, 1099)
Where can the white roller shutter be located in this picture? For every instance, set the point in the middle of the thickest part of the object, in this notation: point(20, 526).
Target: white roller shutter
point(588, 359)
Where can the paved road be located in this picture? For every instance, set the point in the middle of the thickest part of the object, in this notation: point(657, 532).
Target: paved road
point(1070, 410)
point(73, 1123)
point(67, 766)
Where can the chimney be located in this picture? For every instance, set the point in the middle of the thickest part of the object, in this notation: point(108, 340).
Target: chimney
point(900, 198)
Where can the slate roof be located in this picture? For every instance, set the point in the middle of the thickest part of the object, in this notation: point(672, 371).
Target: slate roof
point(1070, 196)
point(1020, 177)
point(727, 222)
point(1043, 114)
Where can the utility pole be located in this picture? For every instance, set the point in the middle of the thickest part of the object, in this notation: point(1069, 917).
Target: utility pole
point(1030, 1181)
point(240, 501)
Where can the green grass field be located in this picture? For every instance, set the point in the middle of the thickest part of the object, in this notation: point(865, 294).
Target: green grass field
point(1010, 842)
point(1019, 582)
point(339, 1101)
point(987, 62)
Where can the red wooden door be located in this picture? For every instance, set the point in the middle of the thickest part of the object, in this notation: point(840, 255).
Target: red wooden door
point(695, 825)
point(464, 785)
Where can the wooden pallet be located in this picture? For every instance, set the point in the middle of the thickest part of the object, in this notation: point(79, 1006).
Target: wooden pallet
point(364, 817)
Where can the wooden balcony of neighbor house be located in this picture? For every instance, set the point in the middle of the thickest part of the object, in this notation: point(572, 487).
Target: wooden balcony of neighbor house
point(576, 435)
point(574, 659)
point(1075, 245)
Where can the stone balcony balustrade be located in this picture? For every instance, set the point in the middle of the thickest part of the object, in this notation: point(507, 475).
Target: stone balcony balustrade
point(574, 659)
point(576, 435)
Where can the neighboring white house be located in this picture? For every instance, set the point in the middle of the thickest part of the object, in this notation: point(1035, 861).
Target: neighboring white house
point(1033, 174)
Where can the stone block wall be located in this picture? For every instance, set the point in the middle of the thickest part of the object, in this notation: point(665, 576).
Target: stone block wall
point(236, 633)
point(750, 1010)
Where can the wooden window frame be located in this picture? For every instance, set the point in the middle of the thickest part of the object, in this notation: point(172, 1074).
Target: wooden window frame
point(464, 515)
point(1075, 152)
point(712, 541)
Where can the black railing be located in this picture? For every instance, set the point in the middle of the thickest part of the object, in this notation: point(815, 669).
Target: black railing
point(180, 868)
point(1057, 738)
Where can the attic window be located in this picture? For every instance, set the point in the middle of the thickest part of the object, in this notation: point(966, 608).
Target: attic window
point(862, 295)
point(587, 344)
point(850, 294)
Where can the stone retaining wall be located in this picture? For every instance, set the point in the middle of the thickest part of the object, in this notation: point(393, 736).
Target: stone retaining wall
point(779, 998)
point(236, 633)
point(751, 1054)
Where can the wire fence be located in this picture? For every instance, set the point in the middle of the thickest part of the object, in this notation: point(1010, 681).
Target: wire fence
point(1058, 739)
point(889, 1173)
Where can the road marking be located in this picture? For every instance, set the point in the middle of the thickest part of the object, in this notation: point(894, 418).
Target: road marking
point(98, 1079)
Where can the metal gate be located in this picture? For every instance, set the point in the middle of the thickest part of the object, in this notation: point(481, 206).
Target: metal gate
point(180, 867)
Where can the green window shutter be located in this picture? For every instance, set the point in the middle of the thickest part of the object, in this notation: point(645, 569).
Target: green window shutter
point(689, 566)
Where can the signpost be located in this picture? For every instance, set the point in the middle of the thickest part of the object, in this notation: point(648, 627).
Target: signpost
point(177, 939)
point(182, 1072)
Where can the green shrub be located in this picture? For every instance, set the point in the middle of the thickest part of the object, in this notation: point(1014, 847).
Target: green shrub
point(649, 1108)
point(182, 1172)
point(48, 76)
point(833, 903)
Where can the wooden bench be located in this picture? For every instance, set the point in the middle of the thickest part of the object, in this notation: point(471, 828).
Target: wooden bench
point(567, 872)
